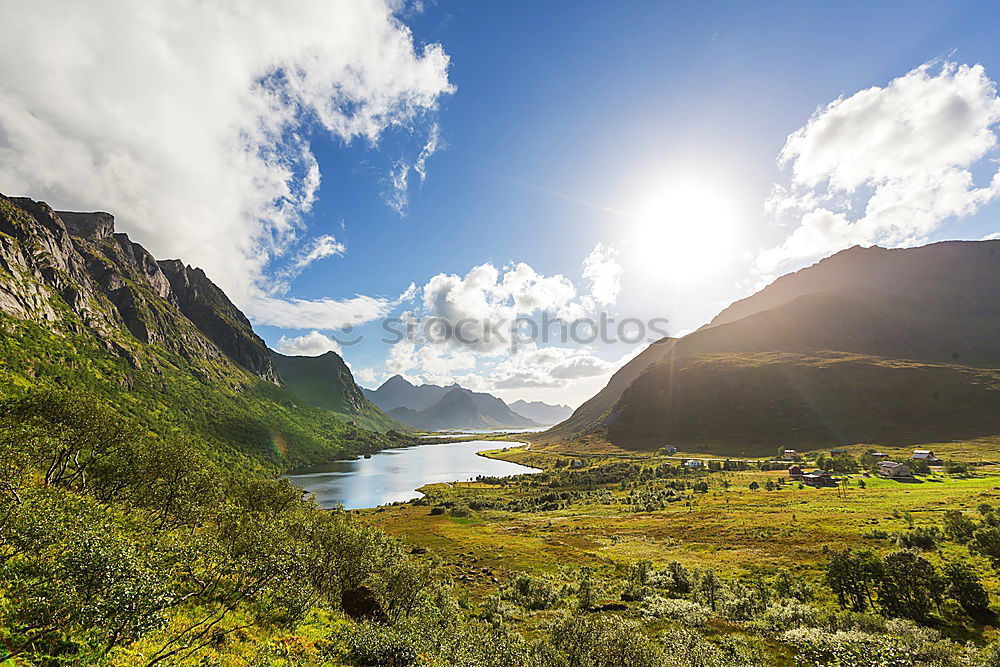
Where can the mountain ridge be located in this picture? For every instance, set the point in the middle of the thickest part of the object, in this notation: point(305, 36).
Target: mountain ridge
point(883, 310)
point(106, 317)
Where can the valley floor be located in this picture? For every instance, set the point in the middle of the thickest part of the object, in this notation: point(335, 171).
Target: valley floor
point(615, 515)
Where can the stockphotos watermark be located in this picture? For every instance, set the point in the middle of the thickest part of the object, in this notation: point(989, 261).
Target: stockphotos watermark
point(515, 333)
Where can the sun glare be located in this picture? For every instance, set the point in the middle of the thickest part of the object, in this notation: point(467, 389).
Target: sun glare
point(685, 232)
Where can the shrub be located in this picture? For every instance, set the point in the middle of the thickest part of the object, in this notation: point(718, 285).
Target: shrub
point(958, 527)
point(685, 611)
point(964, 587)
point(374, 644)
point(922, 538)
point(532, 593)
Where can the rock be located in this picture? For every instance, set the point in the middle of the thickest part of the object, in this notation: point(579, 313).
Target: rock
point(360, 603)
point(214, 314)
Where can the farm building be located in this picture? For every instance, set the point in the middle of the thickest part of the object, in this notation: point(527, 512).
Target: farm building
point(668, 449)
point(694, 464)
point(893, 469)
point(837, 450)
point(879, 455)
point(789, 454)
point(925, 455)
point(818, 478)
point(795, 472)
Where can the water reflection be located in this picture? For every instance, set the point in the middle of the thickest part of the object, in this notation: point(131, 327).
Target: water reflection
point(395, 474)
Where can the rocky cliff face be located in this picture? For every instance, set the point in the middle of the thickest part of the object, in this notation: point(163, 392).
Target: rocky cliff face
point(214, 314)
point(51, 260)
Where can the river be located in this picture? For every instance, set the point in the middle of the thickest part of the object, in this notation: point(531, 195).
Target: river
point(395, 474)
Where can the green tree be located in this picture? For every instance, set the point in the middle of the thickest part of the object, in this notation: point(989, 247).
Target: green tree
point(964, 586)
point(910, 586)
point(986, 541)
point(958, 527)
point(853, 577)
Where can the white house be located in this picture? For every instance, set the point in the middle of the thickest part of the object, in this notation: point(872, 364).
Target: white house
point(925, 455)
point(893, 469)
point(694, 464)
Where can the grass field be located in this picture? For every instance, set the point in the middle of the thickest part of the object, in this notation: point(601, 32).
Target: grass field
point(736, 531)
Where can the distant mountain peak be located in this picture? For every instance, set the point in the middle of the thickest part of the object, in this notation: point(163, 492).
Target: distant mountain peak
point(396, 381)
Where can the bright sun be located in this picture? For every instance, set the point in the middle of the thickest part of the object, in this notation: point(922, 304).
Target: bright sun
point(685, 232)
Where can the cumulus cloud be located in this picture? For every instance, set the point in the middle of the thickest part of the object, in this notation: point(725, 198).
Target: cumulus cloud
point(312, 344)
point(466, 328)
point(602, 270)
point(189, 119)
point(429, 363)
point(367, 377)
point(888, 164)
point(539, 367)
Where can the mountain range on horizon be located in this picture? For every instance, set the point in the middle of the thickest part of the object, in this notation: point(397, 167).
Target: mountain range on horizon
point(433, 407)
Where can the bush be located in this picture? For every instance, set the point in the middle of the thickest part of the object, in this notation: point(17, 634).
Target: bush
point(378, 645)
point(964, 587)
point(533, 593)
point(958, 527)
point(685, 611)
point(922, 538)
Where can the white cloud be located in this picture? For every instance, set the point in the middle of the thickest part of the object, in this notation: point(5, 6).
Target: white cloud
point(367, 377)
point(478, 315)
point(399, 178)
point(188, 119)
point(319, 248)
point(546, 367)
point(602, 270)
point(888, 165)
point(429, 363)
point(318, 313)
point(312, 344)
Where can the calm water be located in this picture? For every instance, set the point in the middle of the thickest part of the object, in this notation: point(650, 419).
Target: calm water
point(395, 474)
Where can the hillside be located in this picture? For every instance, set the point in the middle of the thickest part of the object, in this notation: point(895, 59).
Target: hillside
point(760, 374)
point(326, 382)
point(85, 309)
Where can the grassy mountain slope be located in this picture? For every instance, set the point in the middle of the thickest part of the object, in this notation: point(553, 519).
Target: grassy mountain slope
point(592, 412)
point(92, 312)
point(326, 382)
point(891, 312)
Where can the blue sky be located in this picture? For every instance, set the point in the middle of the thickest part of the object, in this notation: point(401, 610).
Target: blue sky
point(593, 103)
point(639, 139)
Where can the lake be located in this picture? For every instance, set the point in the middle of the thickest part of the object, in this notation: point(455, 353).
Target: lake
point(395, 474)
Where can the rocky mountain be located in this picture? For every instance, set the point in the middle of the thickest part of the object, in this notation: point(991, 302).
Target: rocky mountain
point(540, 412)
point(397, 392)
point(429, 406)
point(214, 314)
point(106, 317)
point(870, 345)
point(461, 408)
